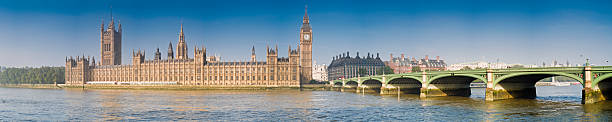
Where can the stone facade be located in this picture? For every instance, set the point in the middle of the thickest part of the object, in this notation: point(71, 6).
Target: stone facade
point(344, 66)
point(110, 44)
point(319, 72)
point(405, 64)
point(182, 70)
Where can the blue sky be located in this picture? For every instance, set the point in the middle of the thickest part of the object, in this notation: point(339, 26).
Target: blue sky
point(43, 32)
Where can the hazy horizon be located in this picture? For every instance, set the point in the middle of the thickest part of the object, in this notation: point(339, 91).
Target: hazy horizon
point(43, 33)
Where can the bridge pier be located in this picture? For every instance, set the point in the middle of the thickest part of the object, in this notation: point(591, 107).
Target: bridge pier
point(334, 88)
point(368, 89)
point(511, 90)
point(348, 89)
point(403, 88)
point(590, 93)
point(434, 90)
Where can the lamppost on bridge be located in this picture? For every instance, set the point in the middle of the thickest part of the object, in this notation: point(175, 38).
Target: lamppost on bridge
point(587, 62)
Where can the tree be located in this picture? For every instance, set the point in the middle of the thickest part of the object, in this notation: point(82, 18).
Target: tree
point(317, 82)
point(27, 75)
point(466, 68)
point(517, 66)
point(416, 69)
point(385, 70)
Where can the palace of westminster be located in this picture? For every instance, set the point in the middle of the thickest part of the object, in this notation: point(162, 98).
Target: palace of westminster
point(180, 69)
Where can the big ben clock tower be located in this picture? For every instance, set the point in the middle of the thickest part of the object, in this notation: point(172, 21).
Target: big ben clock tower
point(306, 50)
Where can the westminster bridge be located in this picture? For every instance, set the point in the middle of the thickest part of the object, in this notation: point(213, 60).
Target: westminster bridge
point(500, 83)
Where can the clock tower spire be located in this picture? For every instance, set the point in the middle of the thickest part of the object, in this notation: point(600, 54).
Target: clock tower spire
point(306, 49)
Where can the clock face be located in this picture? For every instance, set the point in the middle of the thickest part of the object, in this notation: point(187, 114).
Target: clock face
point(306, 37)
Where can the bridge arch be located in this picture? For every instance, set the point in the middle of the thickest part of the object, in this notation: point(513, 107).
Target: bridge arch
point(334, 81)
point(364, 79)
point(351, 83)
point(604, 84)
point(337, 84)
point(473, 76)
point(540, 74)
point(452, 84)
point(522, 84)
point(371, 85)
point(602, 78)
point(407, 85)
point(404, 77)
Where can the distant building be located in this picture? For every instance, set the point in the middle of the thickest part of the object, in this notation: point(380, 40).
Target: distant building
point(405, 64)
point(345, 66)
point(471, 65)
point(319, 72)
point(484, 65)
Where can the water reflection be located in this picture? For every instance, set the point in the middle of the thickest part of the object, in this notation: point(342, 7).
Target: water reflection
point(552, 103)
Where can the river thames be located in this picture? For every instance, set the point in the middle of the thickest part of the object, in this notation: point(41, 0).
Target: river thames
point(552, 103)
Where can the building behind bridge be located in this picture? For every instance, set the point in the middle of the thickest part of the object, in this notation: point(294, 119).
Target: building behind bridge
point(319, 72)
point(404, 64)
point(345, 66)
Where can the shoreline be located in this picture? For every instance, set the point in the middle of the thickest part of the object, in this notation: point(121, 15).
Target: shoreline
point(166, 87)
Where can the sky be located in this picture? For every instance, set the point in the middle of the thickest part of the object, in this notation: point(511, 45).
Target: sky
point(43, 32)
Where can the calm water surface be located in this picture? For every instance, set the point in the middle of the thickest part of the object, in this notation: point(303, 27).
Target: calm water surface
point(553, 103)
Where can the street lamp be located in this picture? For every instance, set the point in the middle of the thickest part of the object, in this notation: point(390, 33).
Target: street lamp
point(587, 62)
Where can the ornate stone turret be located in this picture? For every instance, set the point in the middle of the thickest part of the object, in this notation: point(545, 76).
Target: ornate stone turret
point(200, 55)
point(138, 57)
point(111, 25)
point(157, 55)
point(102, 27)
point(119, 30)
point(294, 56)
point(110, 44)
point(181, 47)
point(272, 55)
point(253, 58)
point(306, 21)
point(170, 52)
point(93, 61)
point(77, 70)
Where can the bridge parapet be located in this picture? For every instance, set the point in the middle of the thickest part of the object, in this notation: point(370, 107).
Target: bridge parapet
point(501, 83)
